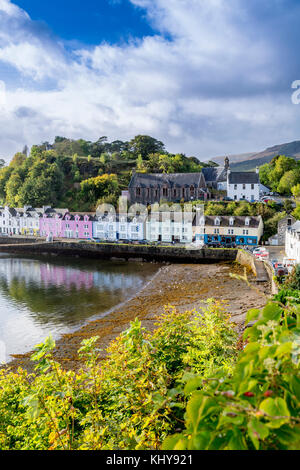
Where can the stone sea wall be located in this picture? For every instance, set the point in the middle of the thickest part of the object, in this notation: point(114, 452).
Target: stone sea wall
point(126, 252)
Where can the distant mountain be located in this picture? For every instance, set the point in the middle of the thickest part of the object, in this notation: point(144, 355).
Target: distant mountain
point(249, 161)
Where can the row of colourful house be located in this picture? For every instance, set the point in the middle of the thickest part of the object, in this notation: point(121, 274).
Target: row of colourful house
point(156, 226)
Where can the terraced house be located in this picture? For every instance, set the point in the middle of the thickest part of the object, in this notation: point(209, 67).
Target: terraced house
point(21, 221)
point(170, 227)
point(229, 229)
point(77, 225)
point(51, 222)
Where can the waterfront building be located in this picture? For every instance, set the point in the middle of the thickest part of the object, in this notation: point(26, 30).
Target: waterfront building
point(292, 242)
point(30, 221)
point(20, 221)
point(149, 188)
point(132, 227)
point(51, 222)
point(246, 230)
point(77, 225)
point(170, 227)
point(105, 227)
point(243, 185)
point(10, 221)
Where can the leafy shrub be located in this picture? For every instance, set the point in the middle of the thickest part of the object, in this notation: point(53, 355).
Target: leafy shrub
point(125, 402)
point(258, 406)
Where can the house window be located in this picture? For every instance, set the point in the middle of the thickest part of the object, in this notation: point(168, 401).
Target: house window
point(192, 190)
point(244, 186)
point(183, 192)
point(235, 187)
point(86, 226)
point(138, 191)
point(165, 191)
point(252, 186)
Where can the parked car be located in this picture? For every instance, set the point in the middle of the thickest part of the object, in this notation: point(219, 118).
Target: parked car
point(274, 262)
point(261, 253)
point(229, 245)
point(213, 245)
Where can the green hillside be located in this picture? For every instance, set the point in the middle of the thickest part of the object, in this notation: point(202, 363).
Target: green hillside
point(80, 174)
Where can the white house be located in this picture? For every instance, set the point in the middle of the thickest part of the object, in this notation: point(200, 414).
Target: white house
point(105, 227)
point(10, 221)
point(30, 221)
point(132, 227)
point(292, 242)
point(246, 230)
point(242, 185)
point(170, 227)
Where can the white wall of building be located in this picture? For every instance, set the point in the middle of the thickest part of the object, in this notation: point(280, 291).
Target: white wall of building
point(292, 242)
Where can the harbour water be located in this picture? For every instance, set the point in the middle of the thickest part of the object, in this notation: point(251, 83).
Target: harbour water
point(54, 295)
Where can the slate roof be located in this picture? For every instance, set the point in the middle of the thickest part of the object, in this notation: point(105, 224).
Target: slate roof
point(243, 177)
point(295, 227)
point(238, 221)
point(174, 216)
point(172, 180)
point(216, 174)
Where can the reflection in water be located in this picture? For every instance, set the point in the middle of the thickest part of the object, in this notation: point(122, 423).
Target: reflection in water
point(39, 297)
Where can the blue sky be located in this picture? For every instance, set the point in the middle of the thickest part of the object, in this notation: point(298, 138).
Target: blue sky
point(207, 77)
point(90, 21)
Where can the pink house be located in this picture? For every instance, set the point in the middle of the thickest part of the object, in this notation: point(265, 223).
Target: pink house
point(77, 225)
point(51, 222)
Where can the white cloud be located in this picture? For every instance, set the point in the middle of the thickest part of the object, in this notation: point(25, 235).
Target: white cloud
point(210, 84)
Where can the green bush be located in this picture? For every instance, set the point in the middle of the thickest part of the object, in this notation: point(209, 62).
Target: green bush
point(126, 401)
point(258, 406)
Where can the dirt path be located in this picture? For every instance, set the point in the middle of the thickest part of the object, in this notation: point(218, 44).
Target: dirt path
point(184, 286)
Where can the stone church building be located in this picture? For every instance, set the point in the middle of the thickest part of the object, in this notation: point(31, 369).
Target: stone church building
point(148, 188)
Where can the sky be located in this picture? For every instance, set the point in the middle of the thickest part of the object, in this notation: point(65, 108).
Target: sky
point(207, 77)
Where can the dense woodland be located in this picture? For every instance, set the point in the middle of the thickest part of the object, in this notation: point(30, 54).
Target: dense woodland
point(79, 175)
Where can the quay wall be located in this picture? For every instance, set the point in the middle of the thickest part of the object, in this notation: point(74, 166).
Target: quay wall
point(123, 251)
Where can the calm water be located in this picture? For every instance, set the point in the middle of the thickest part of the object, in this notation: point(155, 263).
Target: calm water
point(39, 296)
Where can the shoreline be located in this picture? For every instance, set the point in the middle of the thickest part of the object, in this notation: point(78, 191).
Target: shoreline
point(184, 286)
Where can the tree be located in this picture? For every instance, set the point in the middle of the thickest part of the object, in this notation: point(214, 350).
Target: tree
point(144, 145)
point(102, 186)
point(288, 181)
point(288, 206)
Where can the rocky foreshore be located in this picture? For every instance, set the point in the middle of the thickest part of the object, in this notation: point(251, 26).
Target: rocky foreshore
point(184, 286)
